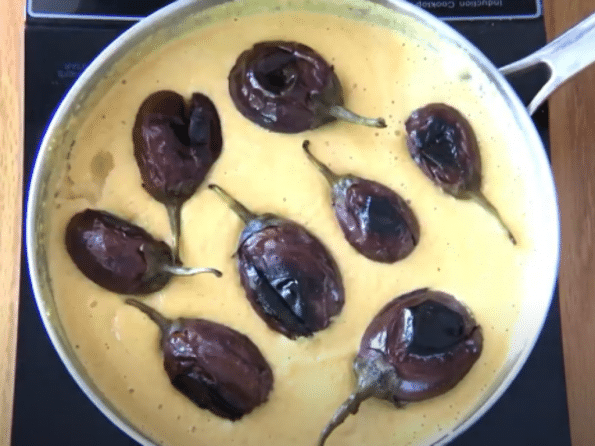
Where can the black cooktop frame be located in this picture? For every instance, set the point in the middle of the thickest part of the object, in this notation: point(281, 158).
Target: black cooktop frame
point(50, 408)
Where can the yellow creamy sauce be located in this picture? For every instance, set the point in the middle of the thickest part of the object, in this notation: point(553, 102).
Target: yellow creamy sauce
point(462, 249)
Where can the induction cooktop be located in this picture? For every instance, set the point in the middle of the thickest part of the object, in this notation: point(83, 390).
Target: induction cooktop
point(62, 37)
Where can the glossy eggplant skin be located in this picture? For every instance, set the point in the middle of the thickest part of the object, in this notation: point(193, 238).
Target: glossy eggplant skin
point(428, 337)
point(375, 220)
point(216, 367)
point(175, 144)
point(289, 277)
point(115, 254)
point(284, 86)
point(443, 144)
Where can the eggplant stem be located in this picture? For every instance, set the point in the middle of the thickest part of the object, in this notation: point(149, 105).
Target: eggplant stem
point(376, 378)
point(330, 176)
point(234, 204)
point(342, 113)
point(350, 406)
point(481, 199)
point(177, 270)
point(161, 321)
point(174, 213)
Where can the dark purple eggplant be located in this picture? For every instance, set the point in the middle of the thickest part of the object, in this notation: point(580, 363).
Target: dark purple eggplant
point(288, 87)
point(121, 257)
point(420, 345)
point(216, 367)
point(375, 220)
point(289, 277)
point(175, 145)
point(443, 144)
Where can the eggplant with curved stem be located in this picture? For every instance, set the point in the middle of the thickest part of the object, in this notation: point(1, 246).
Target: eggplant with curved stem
point(420, 345)
point(375, 220)
point(175, 145)
point(443, 144)
point(288, 87)
point(122, 257)
point(216, 367)
point(289, 277)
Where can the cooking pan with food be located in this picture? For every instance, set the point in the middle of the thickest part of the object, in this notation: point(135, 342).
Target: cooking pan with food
point(487, 239)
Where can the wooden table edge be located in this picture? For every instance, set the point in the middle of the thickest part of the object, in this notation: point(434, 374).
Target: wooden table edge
point(572, 148)
point(11, 194)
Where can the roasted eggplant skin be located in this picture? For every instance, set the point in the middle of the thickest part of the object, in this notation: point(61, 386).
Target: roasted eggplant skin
point(115, 254)
point(429, 374)
point(420, 345)
point(216, 367)
point(289, 277)
point(375, 220)
point(285, 87)
point(175, 144)
point(443, 144)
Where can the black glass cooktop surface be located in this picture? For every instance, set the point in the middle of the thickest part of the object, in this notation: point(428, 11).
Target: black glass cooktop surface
point(133, 10)
point(49, 407)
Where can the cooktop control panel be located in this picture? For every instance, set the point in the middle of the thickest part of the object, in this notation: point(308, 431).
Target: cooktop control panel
point(135, 10)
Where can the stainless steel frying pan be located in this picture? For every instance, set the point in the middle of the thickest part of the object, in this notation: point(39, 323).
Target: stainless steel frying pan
point(565, 56)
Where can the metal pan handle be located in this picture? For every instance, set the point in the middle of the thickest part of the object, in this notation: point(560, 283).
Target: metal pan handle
point(565, 56)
